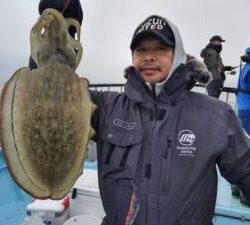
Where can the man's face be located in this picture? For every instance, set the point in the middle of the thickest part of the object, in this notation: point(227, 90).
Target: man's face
point(153, 59)
point(216, 43)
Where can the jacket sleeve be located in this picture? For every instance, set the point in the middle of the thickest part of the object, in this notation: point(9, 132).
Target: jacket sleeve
point(105, 101)
point(228, 68)
point(96, 99)
point(234, 162)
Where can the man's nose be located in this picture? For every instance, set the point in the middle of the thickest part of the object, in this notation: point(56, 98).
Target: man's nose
point(149, 57)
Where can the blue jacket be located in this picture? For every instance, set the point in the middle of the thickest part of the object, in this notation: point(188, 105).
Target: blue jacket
point(243, 99)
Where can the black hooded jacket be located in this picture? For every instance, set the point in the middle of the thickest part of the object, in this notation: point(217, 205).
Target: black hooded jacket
point(166, 149)
point(211, 58)
point(157, 154)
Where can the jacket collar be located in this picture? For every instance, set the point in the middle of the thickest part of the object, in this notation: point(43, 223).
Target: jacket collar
point(183, 79)
point(138, 91)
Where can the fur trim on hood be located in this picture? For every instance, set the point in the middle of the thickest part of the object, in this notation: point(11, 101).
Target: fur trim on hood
point(197, 70)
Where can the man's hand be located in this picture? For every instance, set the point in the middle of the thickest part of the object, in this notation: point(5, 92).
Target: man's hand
point(229, 68)
point(243, 199)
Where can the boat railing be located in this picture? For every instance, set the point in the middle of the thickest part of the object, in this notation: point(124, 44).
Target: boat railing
point(227, 95)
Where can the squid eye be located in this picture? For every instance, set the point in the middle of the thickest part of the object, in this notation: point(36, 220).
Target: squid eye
point(73, 32)
point(76, 50)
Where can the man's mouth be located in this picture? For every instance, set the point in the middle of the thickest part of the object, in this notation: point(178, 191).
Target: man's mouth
point(149, 70)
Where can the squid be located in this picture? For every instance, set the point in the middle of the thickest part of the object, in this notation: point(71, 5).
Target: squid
point(45, 113)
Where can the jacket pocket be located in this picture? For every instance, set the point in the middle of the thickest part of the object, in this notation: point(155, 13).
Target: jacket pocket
point(120, 153)
point(166, 168)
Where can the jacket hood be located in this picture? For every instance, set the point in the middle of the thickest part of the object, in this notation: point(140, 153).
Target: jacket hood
point(209, 47)
point(196, 69)
point(179, 52)
point(204, 50)
point(245, 58)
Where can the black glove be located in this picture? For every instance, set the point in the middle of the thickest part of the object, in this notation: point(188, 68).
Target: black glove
point(243, 199)
point(229, 68)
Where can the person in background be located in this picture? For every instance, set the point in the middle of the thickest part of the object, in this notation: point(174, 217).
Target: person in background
point(243, 92)
point(243, 105)
point(212, 59)
point(158, 143)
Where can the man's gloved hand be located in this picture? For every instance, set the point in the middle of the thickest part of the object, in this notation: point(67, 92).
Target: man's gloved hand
point(229, 68)
point(243, 199)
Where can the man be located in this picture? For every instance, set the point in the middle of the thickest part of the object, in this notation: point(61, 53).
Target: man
point(213, 61)
point(158, 143)
point(243, 105)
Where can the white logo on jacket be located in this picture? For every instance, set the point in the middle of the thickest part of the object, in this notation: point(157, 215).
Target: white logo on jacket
point(186, 139)
point(124, 124)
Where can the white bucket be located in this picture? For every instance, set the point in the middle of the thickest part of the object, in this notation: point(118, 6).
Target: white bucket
point(83, 220)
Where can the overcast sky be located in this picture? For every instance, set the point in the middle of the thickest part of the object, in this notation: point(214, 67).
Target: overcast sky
point(108, 26)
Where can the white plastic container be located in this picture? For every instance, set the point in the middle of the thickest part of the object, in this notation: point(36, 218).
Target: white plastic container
point(84, 220)
point(85, 196)
point(51, 211)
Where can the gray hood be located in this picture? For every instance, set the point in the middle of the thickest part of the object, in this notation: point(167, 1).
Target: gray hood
point(179, 55)
point(196, 69)
point(179, 52)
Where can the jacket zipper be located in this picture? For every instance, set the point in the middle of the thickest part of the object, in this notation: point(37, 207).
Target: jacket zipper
point(154, 120)
point(155, 108)
point(166, 167)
